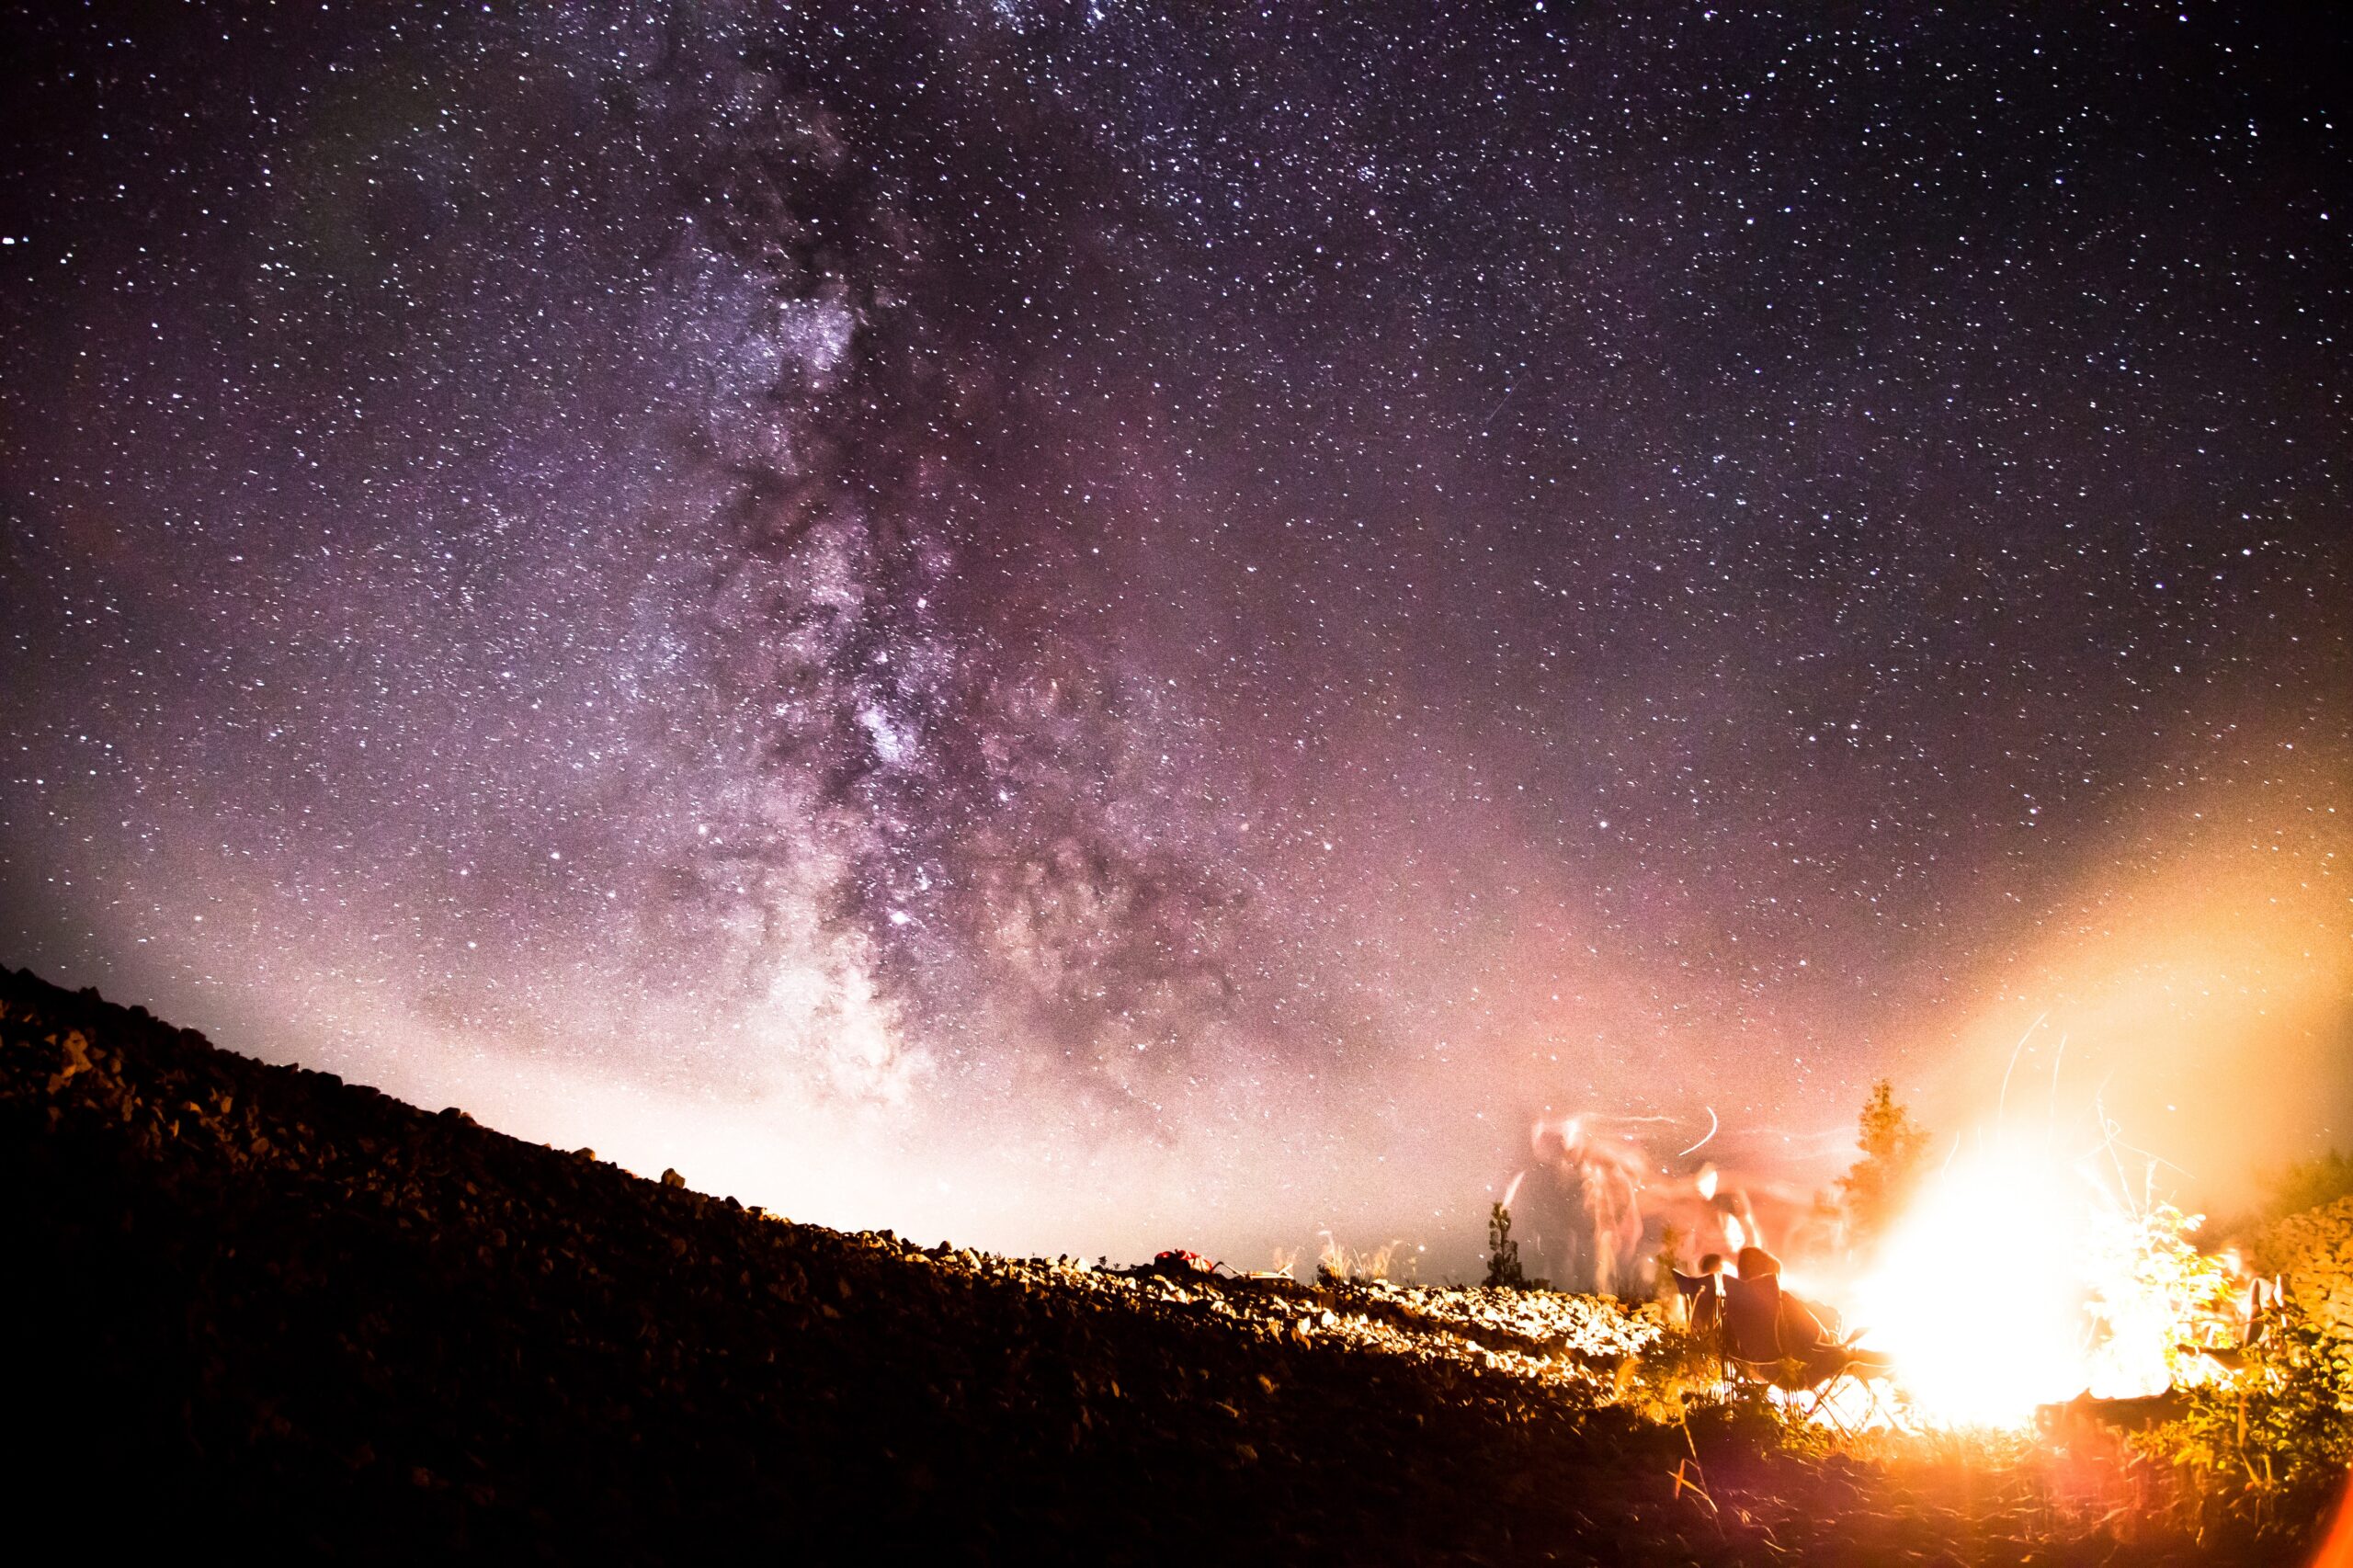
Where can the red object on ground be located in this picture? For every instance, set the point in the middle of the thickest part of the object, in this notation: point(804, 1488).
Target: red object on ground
point(1176, 1260)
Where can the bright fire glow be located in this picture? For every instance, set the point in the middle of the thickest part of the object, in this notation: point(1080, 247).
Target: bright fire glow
point(2018, 1278)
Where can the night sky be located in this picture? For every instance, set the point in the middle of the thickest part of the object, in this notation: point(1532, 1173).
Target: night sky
point(1095, 630)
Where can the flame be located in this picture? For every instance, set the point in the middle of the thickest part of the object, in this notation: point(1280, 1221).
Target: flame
point(1975, 1295)
point(2017, 1279)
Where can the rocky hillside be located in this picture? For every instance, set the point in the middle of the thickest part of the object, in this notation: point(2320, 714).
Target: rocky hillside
point(260, 1306)
point(2312, 1253)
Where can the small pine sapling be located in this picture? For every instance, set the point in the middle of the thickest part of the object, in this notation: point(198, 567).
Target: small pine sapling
point(1503, 1253)
point(1876, 1189)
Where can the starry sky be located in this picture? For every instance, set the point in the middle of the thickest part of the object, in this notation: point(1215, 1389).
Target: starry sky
point(1094, 626)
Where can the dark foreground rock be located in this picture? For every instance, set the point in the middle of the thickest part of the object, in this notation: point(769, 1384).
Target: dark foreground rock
point(259, 1307)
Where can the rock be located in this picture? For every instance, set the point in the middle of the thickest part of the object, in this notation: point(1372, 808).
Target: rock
point(73, 1051)
point(2312, 1253)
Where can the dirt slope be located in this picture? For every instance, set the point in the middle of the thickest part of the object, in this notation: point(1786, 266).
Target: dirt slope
point(260, 1305)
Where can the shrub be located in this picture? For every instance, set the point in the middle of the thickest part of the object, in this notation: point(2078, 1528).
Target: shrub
point(2263, 1453)
point(2307, 1184)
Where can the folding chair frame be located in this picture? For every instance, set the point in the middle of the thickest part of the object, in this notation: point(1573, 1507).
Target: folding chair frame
point(1813, 1399)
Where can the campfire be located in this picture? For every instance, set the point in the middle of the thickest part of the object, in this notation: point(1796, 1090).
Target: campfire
point(2019, 1279)
point(2025, 1268)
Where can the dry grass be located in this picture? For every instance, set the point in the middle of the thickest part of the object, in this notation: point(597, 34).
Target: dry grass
point(1390, 1260)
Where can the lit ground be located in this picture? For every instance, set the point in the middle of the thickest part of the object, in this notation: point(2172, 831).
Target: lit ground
point(260, 1304)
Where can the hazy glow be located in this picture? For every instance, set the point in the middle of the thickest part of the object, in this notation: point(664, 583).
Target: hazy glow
point(1105, 627)
point(2020, 1278)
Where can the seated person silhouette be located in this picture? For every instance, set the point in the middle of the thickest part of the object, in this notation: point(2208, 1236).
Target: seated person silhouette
point(1779, 1336)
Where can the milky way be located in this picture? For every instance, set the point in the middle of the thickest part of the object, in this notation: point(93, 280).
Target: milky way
point(1104, 628)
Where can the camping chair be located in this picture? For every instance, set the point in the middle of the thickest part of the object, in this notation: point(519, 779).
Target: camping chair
point(1773, 1340)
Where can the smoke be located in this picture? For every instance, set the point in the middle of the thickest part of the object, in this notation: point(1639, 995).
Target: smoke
point(2187, 993)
